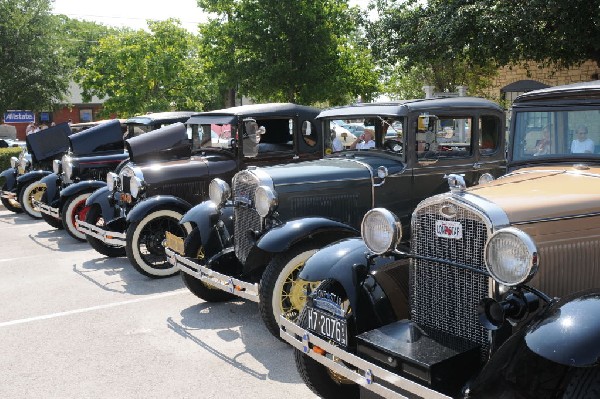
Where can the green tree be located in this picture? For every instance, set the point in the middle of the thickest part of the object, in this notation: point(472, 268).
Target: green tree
point(33, 71)
point(412, 41)
point(139, 71)
point(559, 33)
point(302, 51)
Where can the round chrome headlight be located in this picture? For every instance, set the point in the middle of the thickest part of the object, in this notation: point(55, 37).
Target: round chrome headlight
point(381, 230)
point(485, 178)
point(56, 166)
point(14, 162)
point(112, 181)
point(511, 256)
point(24, 163)
point(265, 200)
point(136, 186)
point(219, 191)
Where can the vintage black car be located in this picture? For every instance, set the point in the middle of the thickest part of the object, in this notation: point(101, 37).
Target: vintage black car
point(252, 240)
point(93, 153)
point(501, 296)
point(147, 199)
point(21, 181)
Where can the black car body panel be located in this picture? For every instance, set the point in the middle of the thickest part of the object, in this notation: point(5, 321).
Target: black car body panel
point(49, 143)
point(169, 142)
point(104, 137)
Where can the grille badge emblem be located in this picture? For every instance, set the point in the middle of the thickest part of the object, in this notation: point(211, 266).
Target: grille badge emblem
point(448, 211)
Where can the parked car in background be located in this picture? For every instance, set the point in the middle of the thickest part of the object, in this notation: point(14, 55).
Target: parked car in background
point(255, 236)
point(77, 176)
point(21, 181)
point(501, 297)
point(150, 195)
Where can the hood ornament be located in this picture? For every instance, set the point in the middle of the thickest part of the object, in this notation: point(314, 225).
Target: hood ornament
point(456, 182)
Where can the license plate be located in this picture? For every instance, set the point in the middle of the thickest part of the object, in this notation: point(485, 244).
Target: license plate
point(126, 198)
point(448, 229)
point(328, 326)
point(174, 242)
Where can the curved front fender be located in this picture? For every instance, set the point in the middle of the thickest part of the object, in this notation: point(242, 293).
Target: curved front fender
point(52, 182)
point(147, 206)
point(568, 332)
point(10, 178)
point(30, 177)
point(283, 237)
point(205, 215)
point(336, 262)
point(102, 198)
point(82, 186)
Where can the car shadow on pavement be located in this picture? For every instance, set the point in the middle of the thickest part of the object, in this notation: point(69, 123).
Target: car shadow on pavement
point(17, 219)
point(238, 320)
point(117, 275)
point(58, 240)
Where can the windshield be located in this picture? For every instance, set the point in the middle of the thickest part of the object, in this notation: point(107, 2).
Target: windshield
point(213, 136)
point(556, 134)
point(362, 133)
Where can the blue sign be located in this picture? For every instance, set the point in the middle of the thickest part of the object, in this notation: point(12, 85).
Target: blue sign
point(19, 117)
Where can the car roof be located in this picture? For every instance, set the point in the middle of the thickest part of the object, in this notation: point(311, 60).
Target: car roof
point(576, 91)
point(401, 108)
point(161, 117)
point(228, 115)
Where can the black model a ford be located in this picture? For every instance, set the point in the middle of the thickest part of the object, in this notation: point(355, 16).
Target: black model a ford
point(499, 296)
point(93, 153)
point(21, 182)
point(146, 199)
point(253, 238)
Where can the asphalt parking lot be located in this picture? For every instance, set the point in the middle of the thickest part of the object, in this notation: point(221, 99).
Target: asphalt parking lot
point(74, 324)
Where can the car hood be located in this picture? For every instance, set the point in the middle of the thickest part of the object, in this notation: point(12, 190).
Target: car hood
point(323, 170)
point(107, 136)
point(48, 143)
point(532, 194)
point(166, 143)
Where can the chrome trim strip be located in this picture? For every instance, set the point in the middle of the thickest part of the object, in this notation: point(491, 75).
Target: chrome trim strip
point(215, 279)
point(556, 219)
point(47, 209)
point(108, 237)
point(366, 374)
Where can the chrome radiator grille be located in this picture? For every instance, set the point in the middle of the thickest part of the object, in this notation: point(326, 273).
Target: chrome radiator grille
point(444, 298)
point(245, 217)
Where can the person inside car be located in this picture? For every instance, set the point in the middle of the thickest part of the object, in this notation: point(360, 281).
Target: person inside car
point(581, 143)
point(364, 142)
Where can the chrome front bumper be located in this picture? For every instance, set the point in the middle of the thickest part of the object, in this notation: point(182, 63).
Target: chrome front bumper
point(220, 281)
point(108, 237)
point(353, 367)
point(47, 209)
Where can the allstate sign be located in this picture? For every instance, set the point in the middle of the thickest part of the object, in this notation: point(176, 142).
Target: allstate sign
point(19, 117)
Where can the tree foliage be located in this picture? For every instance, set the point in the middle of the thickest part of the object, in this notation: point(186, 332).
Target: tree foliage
point(303, 51)
point(33, 71)
point(139, 71)
point(485, 33)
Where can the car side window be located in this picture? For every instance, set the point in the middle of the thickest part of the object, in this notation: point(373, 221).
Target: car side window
point(272, 136)
point(489, 134)
point(442, 137)
point(309, 134)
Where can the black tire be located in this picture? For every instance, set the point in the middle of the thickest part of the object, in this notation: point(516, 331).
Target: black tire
point(280, 292)
point(583, 384)
point(11, 205)
point(319, 378)
point(52, 221)
point(144, 241)
point(94, 216)
point(192, 247)
point(34, 189)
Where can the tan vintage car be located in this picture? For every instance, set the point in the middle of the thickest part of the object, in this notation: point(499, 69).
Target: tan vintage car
point(499, 295)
